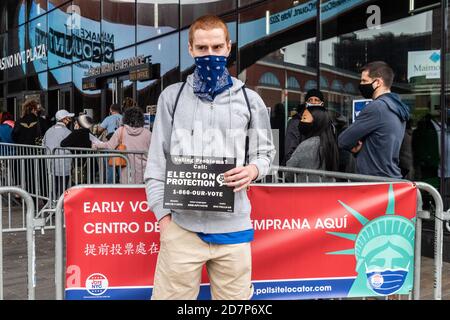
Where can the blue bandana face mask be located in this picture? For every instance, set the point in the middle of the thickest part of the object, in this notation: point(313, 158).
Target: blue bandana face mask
point(386, 281)
point(211, 76)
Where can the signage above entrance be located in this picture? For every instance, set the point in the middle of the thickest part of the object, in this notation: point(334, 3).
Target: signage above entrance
point(118, 65)
point(138, 69)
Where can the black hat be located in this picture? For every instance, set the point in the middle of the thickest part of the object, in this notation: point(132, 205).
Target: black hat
point(314, 93)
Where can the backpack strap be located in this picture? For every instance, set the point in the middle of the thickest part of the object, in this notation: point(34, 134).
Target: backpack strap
point(248, 125)
point(176, 101)
point(246, 159)
point(173, 116)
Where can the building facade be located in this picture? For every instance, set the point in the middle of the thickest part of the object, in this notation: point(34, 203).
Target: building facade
point(83, 55)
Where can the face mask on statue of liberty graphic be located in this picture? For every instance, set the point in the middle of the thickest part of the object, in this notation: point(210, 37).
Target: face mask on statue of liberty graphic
point(386, 281)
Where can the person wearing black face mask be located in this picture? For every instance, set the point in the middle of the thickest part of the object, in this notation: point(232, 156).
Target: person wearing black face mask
point(377, 133)
point(314, 97)
point(319, 148)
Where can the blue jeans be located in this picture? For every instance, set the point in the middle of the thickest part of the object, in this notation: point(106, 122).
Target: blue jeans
point(110, 173)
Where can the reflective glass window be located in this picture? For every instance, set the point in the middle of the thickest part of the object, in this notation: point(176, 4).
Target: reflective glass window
point(60, 42)
point(16, 13)
point(86, 35)
point(15, 62)
point(193, 9)
point(36, 8)
point(277, 58)
point(118, 23)
point(36, 54)
point(155, 18)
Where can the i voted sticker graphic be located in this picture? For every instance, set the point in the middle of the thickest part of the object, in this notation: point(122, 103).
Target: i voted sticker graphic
point(96, 284)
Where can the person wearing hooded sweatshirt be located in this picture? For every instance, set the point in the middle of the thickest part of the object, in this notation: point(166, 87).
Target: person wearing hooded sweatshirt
point(136, 138)
point(377, 133)
point(319, 149)
point(212, 118)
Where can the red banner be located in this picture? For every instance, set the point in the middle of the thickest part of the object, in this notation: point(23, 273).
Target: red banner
point(311, 241)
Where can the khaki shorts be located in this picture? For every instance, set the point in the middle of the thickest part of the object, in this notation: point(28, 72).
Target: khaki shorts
point(180, 261)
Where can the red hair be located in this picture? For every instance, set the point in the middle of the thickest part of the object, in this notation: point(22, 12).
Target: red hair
point(208, 22)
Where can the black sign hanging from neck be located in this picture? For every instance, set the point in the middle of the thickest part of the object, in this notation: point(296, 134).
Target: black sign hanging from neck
point(197, 183)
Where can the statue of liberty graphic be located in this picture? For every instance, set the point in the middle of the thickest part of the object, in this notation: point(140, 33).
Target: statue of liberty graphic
point(384, 252)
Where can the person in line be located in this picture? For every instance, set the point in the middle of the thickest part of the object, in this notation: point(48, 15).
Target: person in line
point(59, 168)
point(80, 137)
point(128, 103)
point(319, 149)
point(135, 138)
point(377, 133)
point(111, 122)
point(277, 122)
point(29, 129)
point(313, 97)
point(191, 239)
point(6, 128)
point(106, 129)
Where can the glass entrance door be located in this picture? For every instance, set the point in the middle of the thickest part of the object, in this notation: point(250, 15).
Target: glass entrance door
point(57, 99)
point(117, 89)
point(125, 90)
point(14, 106)
point(65, 99)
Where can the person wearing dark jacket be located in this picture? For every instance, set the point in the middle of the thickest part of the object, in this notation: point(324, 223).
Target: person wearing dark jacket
point(277, 122)
point(377, 133)
point(293, 136)
point(406, 161)
point(318, 151)
point(30, 128)
point(313, 97)
point(80, 137)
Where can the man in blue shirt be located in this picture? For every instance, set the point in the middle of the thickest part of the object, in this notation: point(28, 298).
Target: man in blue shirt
point(111, 122)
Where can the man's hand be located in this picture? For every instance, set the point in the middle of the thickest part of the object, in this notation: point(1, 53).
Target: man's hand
point(164, 222)
point(241, 177)
point(357, 148)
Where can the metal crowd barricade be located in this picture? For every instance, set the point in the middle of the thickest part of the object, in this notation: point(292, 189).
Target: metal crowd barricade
point(31, 225)
point(298, 175)
point(134, 171)
point(11, 149)
point(35, 175)
point(277, 175)
point(13, 176)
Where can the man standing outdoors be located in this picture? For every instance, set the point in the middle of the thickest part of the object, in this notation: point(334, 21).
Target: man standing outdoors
point(210, 101)
point(111, 122)
point(60, 168)
point(377, 133)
